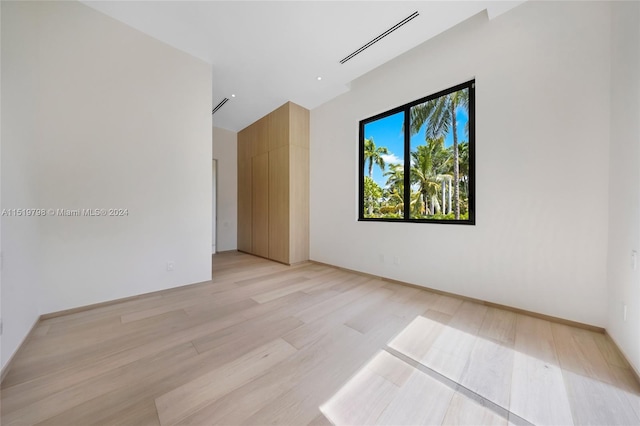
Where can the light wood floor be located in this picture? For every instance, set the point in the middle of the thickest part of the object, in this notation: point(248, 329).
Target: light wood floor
point(263, 343)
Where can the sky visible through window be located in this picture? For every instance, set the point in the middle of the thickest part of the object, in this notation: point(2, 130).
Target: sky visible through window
point(433, 181)
point(388, 132)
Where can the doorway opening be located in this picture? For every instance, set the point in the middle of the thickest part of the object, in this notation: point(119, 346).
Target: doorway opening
point(214, 210)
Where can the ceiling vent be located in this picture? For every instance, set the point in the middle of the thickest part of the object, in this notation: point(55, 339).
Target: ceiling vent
point(380, 37)
point(220, 105)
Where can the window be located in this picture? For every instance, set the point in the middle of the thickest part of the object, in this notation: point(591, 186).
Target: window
point(417, 160)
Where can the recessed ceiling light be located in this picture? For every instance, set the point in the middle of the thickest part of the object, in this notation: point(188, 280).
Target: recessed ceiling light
point(233, 96)
point(318, 78)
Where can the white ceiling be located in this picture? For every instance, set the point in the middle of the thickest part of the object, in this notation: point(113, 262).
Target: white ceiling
point(270, 52)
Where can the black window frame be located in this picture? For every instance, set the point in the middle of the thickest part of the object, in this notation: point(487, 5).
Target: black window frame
point(406, 108)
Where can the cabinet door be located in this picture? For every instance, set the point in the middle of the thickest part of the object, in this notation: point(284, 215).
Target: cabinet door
point(279, 204)
point(299, 204)
point(261, 139)
point(279, 127)
point(244, 190)
point(260, 205)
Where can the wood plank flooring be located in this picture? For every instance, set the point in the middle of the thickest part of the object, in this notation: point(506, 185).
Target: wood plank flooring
point(264, 343)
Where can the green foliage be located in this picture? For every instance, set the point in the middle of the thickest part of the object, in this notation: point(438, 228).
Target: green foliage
point(440, 216)
point(439, 116)
point(372, 195)
point(448, 216)
point(394, 194)
point(373, 155)
point(424, 173)
point(393, 216)
point(390, 210)
point(439, 179)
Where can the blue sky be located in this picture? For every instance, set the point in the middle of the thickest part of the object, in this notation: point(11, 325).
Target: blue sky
point(388, 132)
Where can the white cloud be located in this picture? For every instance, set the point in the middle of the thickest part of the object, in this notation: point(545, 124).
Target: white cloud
point(391, 159)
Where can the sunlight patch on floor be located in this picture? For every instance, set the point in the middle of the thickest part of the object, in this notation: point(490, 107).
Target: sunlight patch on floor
point(435, 373)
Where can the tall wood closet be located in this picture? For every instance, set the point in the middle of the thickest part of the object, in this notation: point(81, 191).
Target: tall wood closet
point(273, 185)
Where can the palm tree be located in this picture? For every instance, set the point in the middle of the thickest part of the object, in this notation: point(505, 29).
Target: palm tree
point(443, 167)
point(372, 194)
point(423, 174)
point(440, 116)
point(416, 204)
point(463, 152)
point(395, 176)
point(395, 185)
point(445, 180)
point(396, 200)
point(374, 154)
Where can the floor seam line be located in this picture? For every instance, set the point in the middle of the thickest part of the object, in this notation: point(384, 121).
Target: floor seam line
point(457, 387)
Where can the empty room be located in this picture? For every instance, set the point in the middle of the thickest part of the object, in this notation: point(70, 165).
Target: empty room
point(320, 212)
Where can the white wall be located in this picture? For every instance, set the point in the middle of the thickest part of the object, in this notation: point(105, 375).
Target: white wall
point(1, 357)
point(98, 115)
point(21, 255)
point(624, 184)
point(225, 150)
point(542, 108)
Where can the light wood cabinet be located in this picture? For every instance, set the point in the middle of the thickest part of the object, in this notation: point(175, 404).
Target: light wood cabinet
point(260, 204)
point(244, 194)
point(278, 204)
point(273, 186)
